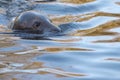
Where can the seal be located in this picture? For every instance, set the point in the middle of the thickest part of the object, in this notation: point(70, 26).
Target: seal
point(35, 23)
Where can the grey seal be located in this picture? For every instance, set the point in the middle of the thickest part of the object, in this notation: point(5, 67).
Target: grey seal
point(35, 23)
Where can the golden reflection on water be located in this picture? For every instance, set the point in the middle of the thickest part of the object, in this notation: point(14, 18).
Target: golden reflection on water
point(116, 39)
point(6, 42)
point(67, 40)
point(2, 29)
point(80, 18)
point(2, 65)
point(100, 30)
point(34, 65)
point(44, 71)
point(76, 1)
point(54, 49)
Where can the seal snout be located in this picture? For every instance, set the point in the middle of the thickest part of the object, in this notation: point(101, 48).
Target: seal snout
point(56, 30)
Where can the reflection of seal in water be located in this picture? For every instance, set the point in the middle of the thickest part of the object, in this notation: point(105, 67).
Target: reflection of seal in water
point(33, 22)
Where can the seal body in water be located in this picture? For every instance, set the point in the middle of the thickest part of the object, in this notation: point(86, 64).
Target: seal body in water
point(34, 23)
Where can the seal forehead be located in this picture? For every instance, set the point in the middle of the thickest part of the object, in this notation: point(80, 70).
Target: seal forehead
point(30, 16)
point(26, 16)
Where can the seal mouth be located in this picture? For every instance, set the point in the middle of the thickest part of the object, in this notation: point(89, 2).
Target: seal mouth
point(28, 31)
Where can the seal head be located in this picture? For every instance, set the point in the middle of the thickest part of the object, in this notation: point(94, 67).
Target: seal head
point(34, 22)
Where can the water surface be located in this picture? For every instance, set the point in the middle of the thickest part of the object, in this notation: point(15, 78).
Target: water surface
point(91, 52)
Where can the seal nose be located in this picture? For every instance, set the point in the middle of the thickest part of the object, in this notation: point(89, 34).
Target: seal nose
point(56, 29)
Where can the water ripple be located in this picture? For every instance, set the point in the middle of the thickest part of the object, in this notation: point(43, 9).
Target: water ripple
point(88, 51)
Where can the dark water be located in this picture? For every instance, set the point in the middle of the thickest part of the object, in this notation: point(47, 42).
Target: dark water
point(91, 52)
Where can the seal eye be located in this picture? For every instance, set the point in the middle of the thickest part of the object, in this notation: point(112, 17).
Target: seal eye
point(36, 25)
